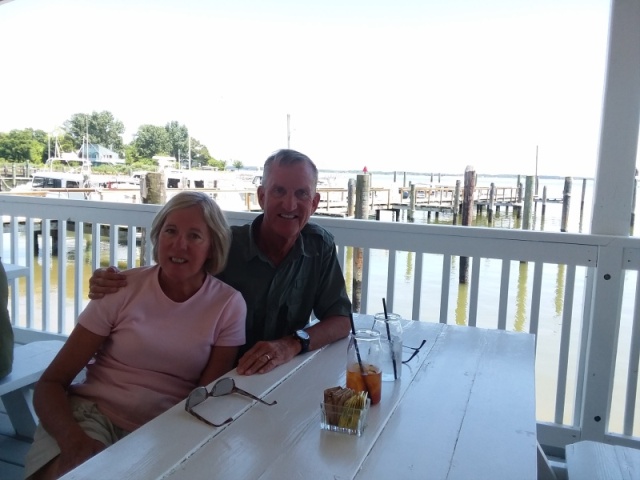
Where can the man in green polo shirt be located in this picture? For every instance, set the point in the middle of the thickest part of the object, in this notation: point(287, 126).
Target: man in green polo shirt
point(284, 267)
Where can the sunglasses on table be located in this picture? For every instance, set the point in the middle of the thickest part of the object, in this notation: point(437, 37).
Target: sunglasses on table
point(224, 386)
point(415, 351)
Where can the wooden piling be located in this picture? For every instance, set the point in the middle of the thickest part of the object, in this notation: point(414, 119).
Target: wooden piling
point(520, 191)
point(154, 189)
point(566, 200)
point(363, 188)
point(467, 213)
point(544, 200)
point(351, 197)
point(584, 189)
point(492, 199)
point(456, 202)
point(404, 179)
point(528, 200)
point(412, 202)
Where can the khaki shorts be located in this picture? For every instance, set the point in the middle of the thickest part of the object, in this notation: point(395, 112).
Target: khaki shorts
point(91, 420)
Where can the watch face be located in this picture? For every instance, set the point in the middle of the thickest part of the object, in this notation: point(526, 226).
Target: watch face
point(302, 334)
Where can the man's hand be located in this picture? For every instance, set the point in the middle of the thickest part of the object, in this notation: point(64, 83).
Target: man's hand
point(265, 356)
point(105, 281)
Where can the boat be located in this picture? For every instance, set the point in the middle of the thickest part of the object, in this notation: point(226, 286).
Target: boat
point(61, 172)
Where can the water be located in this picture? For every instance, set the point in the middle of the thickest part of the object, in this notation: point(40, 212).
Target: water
point(579, 212)
point(552, 296)
point(521, 279)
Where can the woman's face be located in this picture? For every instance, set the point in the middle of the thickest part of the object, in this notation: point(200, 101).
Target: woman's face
point(184, 245)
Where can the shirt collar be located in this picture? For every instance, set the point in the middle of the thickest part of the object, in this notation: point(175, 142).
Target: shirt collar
point(253, 250)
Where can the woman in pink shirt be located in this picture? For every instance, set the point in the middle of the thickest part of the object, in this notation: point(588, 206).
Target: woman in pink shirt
point(173, 328)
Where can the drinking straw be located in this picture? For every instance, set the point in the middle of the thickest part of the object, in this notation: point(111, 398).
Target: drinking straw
point(386, 322)
point(355, 344)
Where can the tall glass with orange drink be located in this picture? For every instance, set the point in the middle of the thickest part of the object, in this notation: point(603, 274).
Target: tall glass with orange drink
point(363, 364)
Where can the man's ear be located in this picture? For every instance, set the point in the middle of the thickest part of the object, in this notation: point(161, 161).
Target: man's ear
point(316, 201)
point(261, 194)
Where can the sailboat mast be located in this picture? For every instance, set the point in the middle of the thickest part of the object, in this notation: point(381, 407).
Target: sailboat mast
point(288, 131)
point(86, 126)
point(536, 189)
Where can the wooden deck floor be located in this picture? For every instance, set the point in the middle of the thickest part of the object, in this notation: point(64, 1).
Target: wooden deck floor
point(12, 450)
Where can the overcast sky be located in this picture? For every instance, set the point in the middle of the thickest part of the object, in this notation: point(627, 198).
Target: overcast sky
point(424, 85)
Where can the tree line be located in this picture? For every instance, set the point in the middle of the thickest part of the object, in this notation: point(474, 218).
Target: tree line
point(102, 128)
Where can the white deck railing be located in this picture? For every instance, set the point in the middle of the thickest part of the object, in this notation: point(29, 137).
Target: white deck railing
point(573, 291)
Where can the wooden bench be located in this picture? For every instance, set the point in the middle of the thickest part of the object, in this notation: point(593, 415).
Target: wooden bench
point(30, 361)
point(595, 460)
point(14, 273)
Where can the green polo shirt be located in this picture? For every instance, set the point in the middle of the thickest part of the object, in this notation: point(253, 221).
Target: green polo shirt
point(280, 299)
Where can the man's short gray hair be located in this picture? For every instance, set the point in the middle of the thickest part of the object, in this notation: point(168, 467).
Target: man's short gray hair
point(286, 157)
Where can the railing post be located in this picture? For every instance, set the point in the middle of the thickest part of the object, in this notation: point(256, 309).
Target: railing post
point(601, 343)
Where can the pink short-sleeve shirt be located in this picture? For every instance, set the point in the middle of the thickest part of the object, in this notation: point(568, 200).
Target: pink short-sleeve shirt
point(156, 349)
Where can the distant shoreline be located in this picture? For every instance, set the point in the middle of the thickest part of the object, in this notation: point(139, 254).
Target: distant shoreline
point(492, 175)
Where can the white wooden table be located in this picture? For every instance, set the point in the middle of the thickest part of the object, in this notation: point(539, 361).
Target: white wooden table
point(464, 408)
point(588, 460)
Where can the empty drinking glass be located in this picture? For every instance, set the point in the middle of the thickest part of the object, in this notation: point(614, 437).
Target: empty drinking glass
point(390, 329)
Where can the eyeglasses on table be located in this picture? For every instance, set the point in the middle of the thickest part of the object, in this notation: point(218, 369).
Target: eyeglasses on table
point(416, 350)
point(224, 386)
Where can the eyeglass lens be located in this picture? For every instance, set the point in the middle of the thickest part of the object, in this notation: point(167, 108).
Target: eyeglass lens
point(227, 385)
point(224, 386)
point(196, 397)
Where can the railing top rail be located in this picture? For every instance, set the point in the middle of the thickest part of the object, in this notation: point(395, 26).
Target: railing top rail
point(579, 249)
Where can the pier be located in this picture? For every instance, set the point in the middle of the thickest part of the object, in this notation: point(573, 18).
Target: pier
point(334, 201)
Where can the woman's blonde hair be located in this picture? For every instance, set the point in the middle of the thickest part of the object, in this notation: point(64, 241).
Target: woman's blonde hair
point(219, 231)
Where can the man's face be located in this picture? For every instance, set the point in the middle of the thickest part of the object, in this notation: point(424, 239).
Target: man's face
point(288, 199)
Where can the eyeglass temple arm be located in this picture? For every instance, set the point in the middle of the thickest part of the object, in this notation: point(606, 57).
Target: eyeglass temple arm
point(199, 417)
point(415, 352)
point(242, 392)
point(414, 348)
